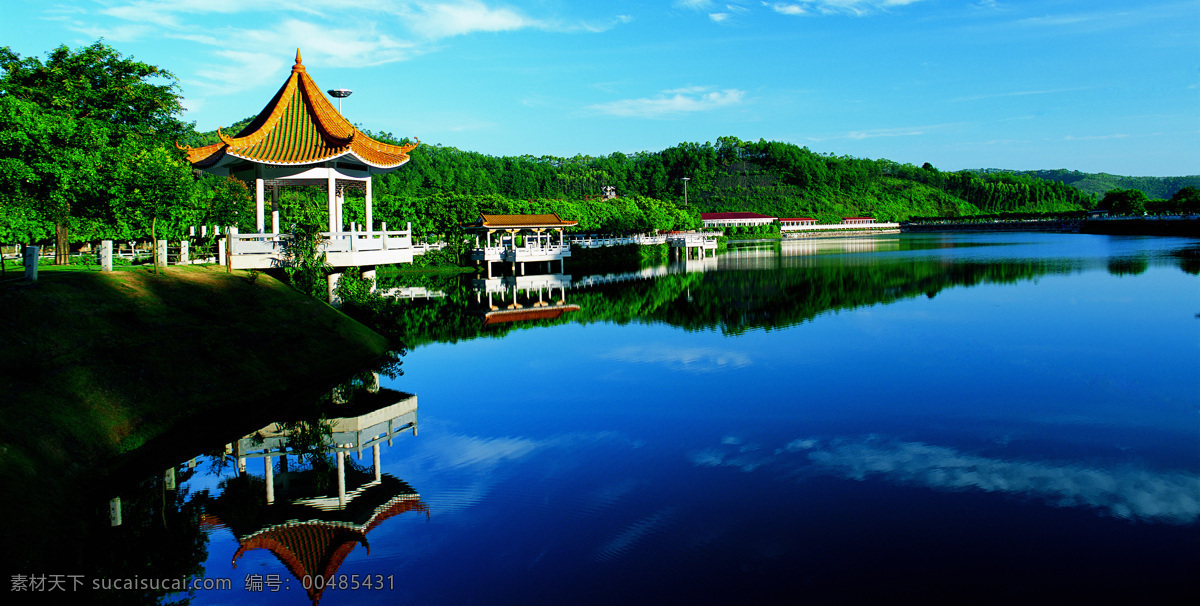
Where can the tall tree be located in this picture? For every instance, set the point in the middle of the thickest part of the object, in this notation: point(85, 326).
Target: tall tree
point(91, 100)
point(51, 163)
point(97, 83)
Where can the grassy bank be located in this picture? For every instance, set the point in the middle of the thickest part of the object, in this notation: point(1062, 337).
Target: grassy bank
point(94, 365)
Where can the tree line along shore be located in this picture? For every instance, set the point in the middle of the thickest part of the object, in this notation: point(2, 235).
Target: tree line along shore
point(90, 151)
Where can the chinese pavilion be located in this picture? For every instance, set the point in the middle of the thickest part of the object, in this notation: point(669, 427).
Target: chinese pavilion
point(299, 138)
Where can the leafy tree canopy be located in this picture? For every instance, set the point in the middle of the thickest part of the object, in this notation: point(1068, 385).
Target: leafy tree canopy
point(96, 82)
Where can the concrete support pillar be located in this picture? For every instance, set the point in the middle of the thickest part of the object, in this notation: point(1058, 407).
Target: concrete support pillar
point(269, 469)
point(221, 251)
point(106, 255)
point(341, 209)
point(259, 204)
point(332, 186)
point(341, 477)
point(31, 262)
point(183, 252)
point(274, 209)
point(114, 511)
point(375, 456)
point(160, 252)
point(370, 224)
point(332, 282)
point(369, 273)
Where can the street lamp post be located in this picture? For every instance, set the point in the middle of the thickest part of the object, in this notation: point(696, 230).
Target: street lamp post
point(685, 180)
point(339, 94)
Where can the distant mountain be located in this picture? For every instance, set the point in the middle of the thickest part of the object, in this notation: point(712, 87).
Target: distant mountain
point(1097, 184)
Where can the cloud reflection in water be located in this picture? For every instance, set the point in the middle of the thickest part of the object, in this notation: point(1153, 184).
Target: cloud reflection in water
point(688, 359)
point(1172, 497)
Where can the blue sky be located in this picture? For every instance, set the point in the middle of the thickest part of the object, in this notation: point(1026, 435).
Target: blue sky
point(1095, 85)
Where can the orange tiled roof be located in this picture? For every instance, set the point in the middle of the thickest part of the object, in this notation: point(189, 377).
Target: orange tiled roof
point(318, 548)
point(512, 221)
point(299, 126)
point(522, 315)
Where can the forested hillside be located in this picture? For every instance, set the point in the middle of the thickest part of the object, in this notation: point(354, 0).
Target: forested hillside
point(1098, 184)
point(768, 177)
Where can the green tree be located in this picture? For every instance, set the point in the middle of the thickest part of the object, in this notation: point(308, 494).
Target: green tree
point(88, 102)
point(51, 163)
point(1125, 201)
point(152, 185)
point(1186, 200)
point(97, 83)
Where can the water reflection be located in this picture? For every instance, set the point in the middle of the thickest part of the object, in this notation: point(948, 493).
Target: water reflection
point(310, 502)
point(522, 298)
point(1128, 492)
point(759, 285)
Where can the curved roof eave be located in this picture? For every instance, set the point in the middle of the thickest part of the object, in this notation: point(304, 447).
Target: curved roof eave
point(347, 153)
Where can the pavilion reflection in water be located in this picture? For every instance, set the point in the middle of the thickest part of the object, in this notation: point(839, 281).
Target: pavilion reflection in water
point(310, 525)
point(521, 298)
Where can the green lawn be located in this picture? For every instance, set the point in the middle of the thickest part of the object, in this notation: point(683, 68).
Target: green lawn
point(93, 365)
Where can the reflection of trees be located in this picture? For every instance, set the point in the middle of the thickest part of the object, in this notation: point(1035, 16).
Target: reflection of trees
point(734, 301)
point(1189, 260)
point(1128, 266)
point(160, 538)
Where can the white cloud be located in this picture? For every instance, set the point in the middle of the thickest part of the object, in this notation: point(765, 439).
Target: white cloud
point(718, 17)
point(690, 359)
point(846, 7)
point(445, 20)
point(338, 33)
point(698, 5)
point(671, 103)
point(787, 9)
point(904, 131)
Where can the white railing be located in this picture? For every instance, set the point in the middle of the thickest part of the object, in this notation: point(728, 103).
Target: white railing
point(504, 253)
point(343, 241)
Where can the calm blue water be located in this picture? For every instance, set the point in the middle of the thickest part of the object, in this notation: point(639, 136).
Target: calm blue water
point(967, 418)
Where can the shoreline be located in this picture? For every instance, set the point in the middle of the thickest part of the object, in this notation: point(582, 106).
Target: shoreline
point(103, 368)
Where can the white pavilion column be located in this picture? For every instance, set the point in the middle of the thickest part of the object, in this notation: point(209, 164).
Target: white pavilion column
point(370, 224)
point(341, 478)
point(258, 200)
point(375, 455)
point(332, 200)
point(274, 209)
point(341, 209)
point(270, 479)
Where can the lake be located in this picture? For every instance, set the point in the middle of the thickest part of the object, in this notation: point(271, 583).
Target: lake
point(950, 417)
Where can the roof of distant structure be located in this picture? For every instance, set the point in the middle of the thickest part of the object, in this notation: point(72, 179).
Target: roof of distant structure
point(724, 216)
point(299, 126)
point(799, 219)
point(522, 315)
point(522, 221)
point(310, 548)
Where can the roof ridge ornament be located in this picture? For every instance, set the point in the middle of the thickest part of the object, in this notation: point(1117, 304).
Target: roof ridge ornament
point(298, 67)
